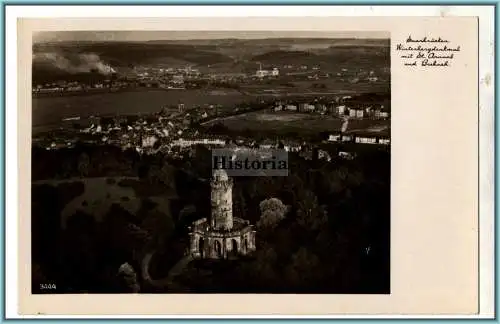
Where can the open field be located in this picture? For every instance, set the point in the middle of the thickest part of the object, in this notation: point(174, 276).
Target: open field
point(298, 122)
point(100, 193)
point(332, 85)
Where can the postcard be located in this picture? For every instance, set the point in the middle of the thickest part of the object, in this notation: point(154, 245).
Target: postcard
point(253, 165)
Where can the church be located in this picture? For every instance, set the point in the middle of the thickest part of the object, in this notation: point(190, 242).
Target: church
point(222, 236)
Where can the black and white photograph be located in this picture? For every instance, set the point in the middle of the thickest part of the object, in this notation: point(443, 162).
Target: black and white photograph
point(211, 162)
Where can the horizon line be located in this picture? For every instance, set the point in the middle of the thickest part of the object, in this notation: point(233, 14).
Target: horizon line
point(202, 39)
point(214, 35)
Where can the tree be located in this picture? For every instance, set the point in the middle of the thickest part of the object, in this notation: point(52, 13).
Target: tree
point(328, 182)
point(79, 252)
point(259, 274)
point(159, 225)
point(83, 164)
point(239, 204)
point(272, 212)
point(124, 238)
point(187, 214)
point(167, 176)
point(154, 174)
point(106, 121)
point(128, 278)
point(265, 261)
point(310, 215)
point(293, 185)
point(67, 168)
point(304, 269)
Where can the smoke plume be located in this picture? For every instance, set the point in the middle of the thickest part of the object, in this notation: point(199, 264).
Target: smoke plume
point(73, 63)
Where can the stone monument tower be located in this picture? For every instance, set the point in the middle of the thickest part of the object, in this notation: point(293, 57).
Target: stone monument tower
point(222, 236)
point(222, 201)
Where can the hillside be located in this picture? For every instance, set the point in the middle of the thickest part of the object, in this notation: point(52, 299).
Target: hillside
point(127, 53)
point(54, 60)
point(284, 56)
point(329, 57)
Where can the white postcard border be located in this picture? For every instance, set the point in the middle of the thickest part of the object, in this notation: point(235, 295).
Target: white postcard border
point(486, 75)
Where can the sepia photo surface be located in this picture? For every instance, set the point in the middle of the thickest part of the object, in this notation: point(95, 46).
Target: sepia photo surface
point(126, 126)
point(209, 169)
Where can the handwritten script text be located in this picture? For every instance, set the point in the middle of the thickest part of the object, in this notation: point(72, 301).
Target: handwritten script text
point(428, 52)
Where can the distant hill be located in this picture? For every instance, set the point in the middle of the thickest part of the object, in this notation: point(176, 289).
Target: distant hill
point(71, 60)
point(52, 60)
point(328, 57)
point(126, 53)
point(284, 56)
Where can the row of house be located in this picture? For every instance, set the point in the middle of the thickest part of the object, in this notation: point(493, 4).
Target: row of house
point(198, 141)
point(366, 112)
point(360, 139)
point(341, 110)
point(260, 73)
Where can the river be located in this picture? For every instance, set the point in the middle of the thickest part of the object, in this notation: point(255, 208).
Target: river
point(50, 110)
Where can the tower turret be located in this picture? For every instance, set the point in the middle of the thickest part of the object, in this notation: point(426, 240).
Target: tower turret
point(222, 201)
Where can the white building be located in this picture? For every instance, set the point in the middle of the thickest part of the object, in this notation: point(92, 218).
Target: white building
point(178, 79)
point(340, 110)
point(334, 138)
point(149, 141)
point(381, 114)
point(346, 155)
point(292, 148)
point(366, 140)
point(307, 107)
point(324, 155)
point(261, 73)
point(205, 141)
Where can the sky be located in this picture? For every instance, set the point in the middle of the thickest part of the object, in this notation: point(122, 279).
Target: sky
point(184, 35)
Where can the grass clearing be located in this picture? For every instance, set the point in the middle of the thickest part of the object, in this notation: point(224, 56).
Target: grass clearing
point(100, 193)
point(303, 123)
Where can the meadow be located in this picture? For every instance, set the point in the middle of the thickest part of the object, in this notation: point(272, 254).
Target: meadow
point(303, 123)
point(99, 194)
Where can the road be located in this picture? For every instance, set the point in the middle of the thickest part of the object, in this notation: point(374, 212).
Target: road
point(168, 281)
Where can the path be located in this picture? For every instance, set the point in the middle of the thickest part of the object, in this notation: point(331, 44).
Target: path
point(168, 280)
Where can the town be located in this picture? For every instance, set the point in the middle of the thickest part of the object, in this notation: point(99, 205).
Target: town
point(176, 129)
point(181, 78)
point(125, 195)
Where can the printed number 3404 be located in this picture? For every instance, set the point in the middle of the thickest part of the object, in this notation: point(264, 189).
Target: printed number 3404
point(47, 286)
